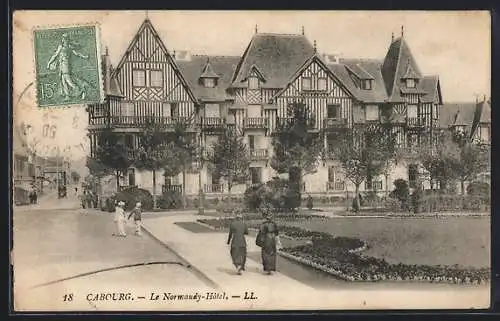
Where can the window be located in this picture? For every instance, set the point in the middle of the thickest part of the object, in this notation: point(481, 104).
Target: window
point(131, 177)
point(253, 83)
point(485, 133)
point(209, 82)
point(412, 175)
point(412, 111)
point(322, 84)
point(367, 84)
point(251, 142)
point(129, 141)
point(174, 110)
point(371, 112)
point(98, 110)
point(212, 110)
point(128, 109)
point(435, 113)
point(156, 78)
point(139, 78)
point(256, 174)
point(166, 111)
point(306, 84)
point(331, 174)
point(333, 111)
point(410, 83)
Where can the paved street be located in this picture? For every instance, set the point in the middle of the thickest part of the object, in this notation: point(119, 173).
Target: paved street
point(54, 244)
point(67, 259)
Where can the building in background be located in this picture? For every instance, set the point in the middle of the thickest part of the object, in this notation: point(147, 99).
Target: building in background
point(252, 93)
point(23, 169)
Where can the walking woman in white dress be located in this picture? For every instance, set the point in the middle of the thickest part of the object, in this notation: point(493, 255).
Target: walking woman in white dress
point(120, 219)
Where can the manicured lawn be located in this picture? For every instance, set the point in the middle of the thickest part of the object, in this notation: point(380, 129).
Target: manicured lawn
point(434, 241)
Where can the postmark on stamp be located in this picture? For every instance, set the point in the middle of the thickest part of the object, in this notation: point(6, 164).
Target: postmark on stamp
point(68, 65)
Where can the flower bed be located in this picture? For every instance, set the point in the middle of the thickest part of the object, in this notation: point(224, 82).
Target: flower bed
point(352, 266)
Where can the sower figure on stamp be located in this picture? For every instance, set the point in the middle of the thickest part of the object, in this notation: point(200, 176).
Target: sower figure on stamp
point(63, 53)
point(137, 213)
point(236, 238)
point(120, 218)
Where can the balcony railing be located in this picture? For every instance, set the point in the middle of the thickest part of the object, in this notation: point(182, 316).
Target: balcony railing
point(255, 123)
point(415, 121)
point(335, 122)
point(288, 121)
point(171, 188)
point(374, 185)
point(259, 154)
point(213, 188)
point(131, 121)
point(335, 186)
point(212, 122)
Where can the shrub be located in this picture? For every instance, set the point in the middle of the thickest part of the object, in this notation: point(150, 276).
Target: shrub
point(416, 200)
point(478, 189)
point(170, 200)
point(253, 196)
point(309, 202)
point(401, 193)
point(133, 195)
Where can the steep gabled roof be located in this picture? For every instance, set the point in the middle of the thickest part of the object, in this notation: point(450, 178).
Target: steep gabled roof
point(482, 115)
point(359, 71)
point(398, 61)
point(457, 114)
point(223, 66)
point(277, 57)
point(147, 24)
point(373, 67)
point(430, 85)
point(208, 71)
point(314, 58)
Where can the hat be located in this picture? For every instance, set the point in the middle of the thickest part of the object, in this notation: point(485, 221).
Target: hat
point(138, 204)
point(121, 203)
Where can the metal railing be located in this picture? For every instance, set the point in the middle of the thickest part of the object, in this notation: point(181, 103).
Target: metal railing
point(334, 122)
point(172, 188)
point(137, 120)
point(335, 186)
point(258, 154)
point(287, 121)
point(212, 122)
point(213, 188)
point(256, 122)
point(415, 121)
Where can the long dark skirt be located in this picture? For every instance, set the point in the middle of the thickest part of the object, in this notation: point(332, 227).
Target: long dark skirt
point(239, 255)
point(269, 254)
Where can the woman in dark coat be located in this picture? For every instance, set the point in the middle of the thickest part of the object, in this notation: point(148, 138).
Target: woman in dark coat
point(269, 232)
point(236, 238)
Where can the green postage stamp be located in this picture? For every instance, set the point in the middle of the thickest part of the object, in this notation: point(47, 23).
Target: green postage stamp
point(68, 65)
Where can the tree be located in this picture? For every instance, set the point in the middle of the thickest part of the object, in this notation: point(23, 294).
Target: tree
point(296, 149)
point(456, 158)
point(151, 153)
point(230, 158)
point(112, 154)
point(75, 177)
point(363, 152)
point(181, 153)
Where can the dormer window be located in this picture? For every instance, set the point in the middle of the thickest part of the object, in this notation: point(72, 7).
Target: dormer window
point(411, 83)
point(209, 82)
point(253, 83)
point(322, 84)
point(367, 84)
point(306, 84)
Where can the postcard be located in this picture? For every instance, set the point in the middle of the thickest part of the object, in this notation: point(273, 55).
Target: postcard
point(251, 160)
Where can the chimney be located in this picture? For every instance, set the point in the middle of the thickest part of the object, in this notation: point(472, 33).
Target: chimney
point(392, 37)
point(107, 72)
point(303, 32)
point(315, 47)
point(402, 31)
point(256, 29)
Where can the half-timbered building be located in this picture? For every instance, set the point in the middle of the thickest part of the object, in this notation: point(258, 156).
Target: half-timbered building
point(252, 93)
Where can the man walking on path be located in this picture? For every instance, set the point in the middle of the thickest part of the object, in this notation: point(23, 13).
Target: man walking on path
point(236, 238)
point(137, 212)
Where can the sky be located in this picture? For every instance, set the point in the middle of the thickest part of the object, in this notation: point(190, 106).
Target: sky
point(454, 45)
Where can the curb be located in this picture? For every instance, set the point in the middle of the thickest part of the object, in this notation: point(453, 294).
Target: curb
point(188, 264)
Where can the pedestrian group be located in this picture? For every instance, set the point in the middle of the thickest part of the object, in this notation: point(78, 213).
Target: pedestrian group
point(267, 239)
point(121, 220)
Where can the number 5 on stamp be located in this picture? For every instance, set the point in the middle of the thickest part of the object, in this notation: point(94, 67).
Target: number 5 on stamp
point(68, 66)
